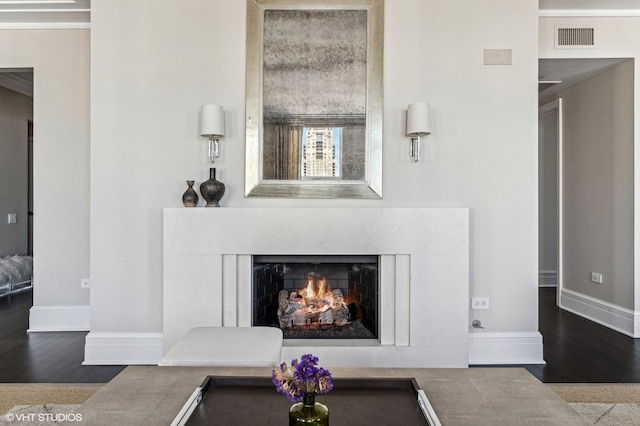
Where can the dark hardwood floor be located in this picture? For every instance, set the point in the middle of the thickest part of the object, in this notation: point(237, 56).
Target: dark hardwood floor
point(576, 350)
point(42, 357)
point(580, 351)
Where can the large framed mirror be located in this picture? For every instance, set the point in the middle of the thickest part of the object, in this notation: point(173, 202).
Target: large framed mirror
point(314, 98)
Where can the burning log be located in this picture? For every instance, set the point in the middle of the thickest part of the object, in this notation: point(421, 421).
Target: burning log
point(336, 316)
point(296, 309)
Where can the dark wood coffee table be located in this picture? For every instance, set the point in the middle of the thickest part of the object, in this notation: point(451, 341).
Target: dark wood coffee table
point(353, 402)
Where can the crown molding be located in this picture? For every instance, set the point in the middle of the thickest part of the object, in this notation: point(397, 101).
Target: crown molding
point(44, 10)
point(588, 13)
point(49, 14)
point(45, 25)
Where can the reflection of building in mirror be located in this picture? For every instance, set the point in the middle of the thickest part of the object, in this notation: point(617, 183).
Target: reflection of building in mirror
point(321, 153)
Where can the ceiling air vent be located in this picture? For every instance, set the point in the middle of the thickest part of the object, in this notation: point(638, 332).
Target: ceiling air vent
point(575, 38)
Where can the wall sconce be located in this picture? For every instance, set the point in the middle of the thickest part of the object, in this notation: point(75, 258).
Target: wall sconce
point(212, 126)
point(417, 126)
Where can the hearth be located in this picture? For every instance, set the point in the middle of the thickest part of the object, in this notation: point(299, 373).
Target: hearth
point(317, 297)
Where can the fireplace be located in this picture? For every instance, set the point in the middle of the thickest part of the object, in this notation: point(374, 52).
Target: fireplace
point(317, 297)
point(423, 276)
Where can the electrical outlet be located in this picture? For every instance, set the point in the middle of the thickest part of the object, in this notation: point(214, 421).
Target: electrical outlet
point(85, 283)
point(480, 303)
point(596, 277)
point(11, 218)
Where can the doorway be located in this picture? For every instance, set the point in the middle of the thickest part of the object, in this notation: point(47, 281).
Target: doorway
point(587, 215)
point(550, 194)
point(16, 180)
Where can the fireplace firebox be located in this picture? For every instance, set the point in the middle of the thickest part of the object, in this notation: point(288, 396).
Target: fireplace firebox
point(317, 297)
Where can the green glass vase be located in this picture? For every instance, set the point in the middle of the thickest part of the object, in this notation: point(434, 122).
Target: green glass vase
point(308, 412)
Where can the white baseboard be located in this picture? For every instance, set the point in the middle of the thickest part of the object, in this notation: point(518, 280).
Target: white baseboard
point(58, 318)
point(104, 348)
point(548, 278)
point(615, 317)
point(505, 348)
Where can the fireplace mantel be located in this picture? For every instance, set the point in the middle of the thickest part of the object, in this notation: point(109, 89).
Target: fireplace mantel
point(424, 278)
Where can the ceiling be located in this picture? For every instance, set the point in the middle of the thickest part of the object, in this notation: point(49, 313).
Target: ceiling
point(555, 75)
point(17, 79)
point(588, 4)
point(77, 14)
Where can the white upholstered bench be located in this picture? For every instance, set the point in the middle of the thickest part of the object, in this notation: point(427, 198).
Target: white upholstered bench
point(227, 347)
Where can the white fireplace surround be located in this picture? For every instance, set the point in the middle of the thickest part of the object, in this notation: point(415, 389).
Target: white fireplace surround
point(424, 275)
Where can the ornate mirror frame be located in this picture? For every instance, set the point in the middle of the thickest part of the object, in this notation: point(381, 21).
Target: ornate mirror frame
point(371, 185)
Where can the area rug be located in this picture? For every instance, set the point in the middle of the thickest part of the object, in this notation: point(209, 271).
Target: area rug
point(41, 415)
point(45, 404)
point(609, 414)
point(597, 392)
point(39, 394)
point(603, 404)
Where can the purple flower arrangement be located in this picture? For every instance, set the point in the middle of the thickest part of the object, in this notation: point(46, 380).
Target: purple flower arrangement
point(301, 377)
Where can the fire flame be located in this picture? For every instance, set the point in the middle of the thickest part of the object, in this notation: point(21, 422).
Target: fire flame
point(322, 288)
point(309, 290)
point(314, 304)
point(310, 293)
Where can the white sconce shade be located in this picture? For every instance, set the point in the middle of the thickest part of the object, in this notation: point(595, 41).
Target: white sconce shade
point(418, 122)
point(211, 120)
point(212, 126)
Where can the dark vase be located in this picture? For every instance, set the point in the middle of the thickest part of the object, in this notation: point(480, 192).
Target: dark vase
point(190, 196)
point(308, 412)
point(212, 190)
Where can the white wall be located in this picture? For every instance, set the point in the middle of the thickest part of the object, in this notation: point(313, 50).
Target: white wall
point(153, 66)
point(60, 59)
point(15, 112)
point(615, 306)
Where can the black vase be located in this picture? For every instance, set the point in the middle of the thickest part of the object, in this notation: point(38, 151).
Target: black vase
point(190, 196)
point(212, 190)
